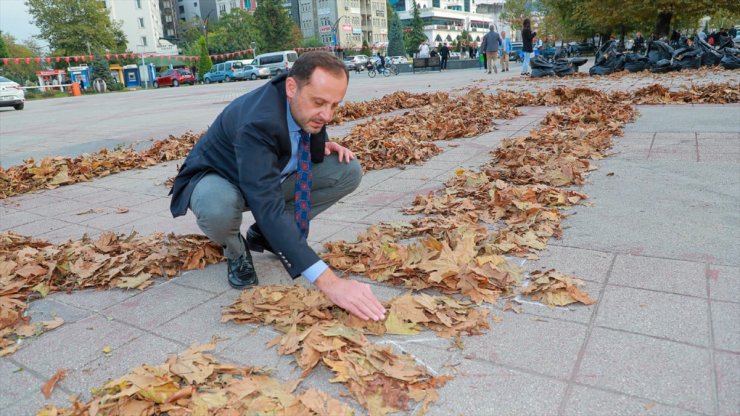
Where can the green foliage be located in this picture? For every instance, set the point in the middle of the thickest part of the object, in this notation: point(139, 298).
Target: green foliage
point(188, 33)
point(416, 36)
point(70, 26)
point(205, 63)
point(515, 11)
point(395, 37)
point(235, 31)
point(4, 53)
point(366, 49)
point(312, 43)
point(20, 72)
point(101, 69)
point(276, 27)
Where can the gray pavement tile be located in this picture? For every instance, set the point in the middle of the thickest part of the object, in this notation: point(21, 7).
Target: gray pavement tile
point(150, 224)
point(39, 227)
point(668, 372)
point(676, 317)
point(322, 228)
point(155, 206)
point(348, 212)
point(202, 323)
point(719, 157)
point(81, 212)
point(129, 201)
point(544, 346)
point(370, 179)
point(718, 135)
point(62, 209)
point(250, 349)
point(47, 309)
point(349, 232)
point(17, 383)
point(728, 382)
point(672, 139)
point(587, 401)
point(374, 198)
point(392, 214)
point(70, 232)
point(400, 185)
point(482, 389)
point(93, 300)
point(422, 173)
point(631, 154)
point(726, 323)
point(637, 136)
point(34, 401)
point(147, 349)
point(28, 202)
point(211, 279)
point(581, 263)
point(72, 346)
point(683, 153)
point(101, 195)
point(12, 219)
point(114, 220)
point(157, 305)
point(74, 191)
point(724, 283)
point(672, 276)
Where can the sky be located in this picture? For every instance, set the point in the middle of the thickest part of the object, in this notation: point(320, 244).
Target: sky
point(15, 20)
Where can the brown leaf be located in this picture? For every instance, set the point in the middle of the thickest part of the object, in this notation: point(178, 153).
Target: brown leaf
point(48, 387)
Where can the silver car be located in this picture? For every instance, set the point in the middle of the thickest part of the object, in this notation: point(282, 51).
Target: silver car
point(11, 94)
point(253, 72)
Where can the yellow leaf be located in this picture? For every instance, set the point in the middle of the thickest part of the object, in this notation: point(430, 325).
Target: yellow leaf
point(394, 325)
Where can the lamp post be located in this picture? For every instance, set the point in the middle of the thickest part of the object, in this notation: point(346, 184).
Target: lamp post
point(143, 66)
point(335, 42)
point(205, 28)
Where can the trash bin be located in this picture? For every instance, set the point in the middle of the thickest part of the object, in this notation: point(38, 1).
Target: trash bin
point(76, 89)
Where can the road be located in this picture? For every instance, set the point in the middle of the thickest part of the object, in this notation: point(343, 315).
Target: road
point(73, 125)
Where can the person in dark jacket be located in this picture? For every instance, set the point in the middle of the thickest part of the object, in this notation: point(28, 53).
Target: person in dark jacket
point(527, 38)
point(490, 45)
point(444, 53)
point(267, 152)
point(639, 43)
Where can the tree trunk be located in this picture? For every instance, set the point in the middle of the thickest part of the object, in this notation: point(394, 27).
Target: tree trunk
point(663, 23)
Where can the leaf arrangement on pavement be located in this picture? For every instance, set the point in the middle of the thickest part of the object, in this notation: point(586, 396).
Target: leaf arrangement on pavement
point(50, 173)
point(317, 331)
point(407, 139)
point(196, 383)
point(396, 101)
point(37, 267)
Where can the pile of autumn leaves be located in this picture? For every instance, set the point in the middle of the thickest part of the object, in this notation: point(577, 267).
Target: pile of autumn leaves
point(512, 206)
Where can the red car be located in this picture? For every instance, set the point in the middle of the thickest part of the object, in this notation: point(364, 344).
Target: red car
point(174, 78)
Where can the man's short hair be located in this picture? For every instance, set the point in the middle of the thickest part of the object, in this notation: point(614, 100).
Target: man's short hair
point(307, 63)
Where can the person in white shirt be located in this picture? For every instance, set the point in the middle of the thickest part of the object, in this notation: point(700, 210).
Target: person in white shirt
point(424, 50)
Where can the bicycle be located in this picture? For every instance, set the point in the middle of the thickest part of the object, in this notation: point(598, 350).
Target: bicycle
point(372, 71)
point(392, 68)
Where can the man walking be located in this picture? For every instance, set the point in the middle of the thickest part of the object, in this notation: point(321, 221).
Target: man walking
point(444, 53)
point(268, 152)
point(490, 45)
point(506, 50)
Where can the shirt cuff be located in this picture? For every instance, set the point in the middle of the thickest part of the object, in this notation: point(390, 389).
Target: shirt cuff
point(313, 272)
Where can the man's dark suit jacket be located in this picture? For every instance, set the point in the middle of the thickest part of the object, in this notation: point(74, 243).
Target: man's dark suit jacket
point(249, 145)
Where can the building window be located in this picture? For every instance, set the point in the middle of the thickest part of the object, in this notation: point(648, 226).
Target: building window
point(233, 4)
point(143, 41)
point(141, 23)
point(222, 8)
point(195, 4)
point(181, 9)
point(138, 4)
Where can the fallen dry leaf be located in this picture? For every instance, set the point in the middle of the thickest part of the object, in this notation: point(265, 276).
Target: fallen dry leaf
point(48, 387)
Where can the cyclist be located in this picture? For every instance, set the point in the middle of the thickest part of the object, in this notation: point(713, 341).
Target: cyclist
point(381, 65)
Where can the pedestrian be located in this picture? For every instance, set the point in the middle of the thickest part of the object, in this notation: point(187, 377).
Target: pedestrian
point(471, 51)
point(527, 37)
point(482, 59)
point(703, 35)
point(444, 53)
point(424, 50)
point(267, 152)
point(638, 44)
point(505, 51)
point(490, 45)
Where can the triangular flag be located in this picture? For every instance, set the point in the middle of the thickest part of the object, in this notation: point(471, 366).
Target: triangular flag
point(107, 56)
point(5, 61)
point(48, 60)
point(38, 60)
point(28, 60)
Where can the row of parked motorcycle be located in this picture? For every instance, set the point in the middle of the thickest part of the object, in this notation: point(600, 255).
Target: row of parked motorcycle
point(659, 57)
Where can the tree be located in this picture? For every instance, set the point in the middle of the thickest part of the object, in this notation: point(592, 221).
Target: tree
point(276, 27)
point(204, 63)
point(416, 36)
point(365, 48)
point(313, 42)
point(101, 69)
point(75, 27)
point(4, 53)
point(20, 72)
point(515, 11)
point(395, 37)
point(188, 32)
point(236, 30)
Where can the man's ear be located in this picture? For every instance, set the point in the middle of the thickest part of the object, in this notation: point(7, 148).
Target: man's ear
point(291, 87)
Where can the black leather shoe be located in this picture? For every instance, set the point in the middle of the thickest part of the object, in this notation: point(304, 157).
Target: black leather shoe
point(256, 241)
point(241, 272)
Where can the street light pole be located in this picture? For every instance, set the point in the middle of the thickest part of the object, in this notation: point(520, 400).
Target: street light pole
point(254, 50)
point(205, 29)
point(143, 66)
point(335, 42)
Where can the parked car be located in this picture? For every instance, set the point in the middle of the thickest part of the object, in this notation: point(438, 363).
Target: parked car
point(253, 72)
point(11, 94)
point(455, 55)
point(227, 71)
point(277, 62)
point(397, 60)
point(174, 78)
point(583, 48)
point(516, 51)
point(352, 61)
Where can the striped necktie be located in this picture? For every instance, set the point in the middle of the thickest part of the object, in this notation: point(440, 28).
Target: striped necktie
point(303, 184)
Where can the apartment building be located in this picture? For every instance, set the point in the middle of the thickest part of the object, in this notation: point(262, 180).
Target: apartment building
point(202, 9)
point(225, 6)
point(169, 18)
point(344, 23)
point(142, 24)
point(445, 20)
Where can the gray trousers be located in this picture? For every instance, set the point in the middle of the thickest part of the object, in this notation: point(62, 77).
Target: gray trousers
point(218, 204)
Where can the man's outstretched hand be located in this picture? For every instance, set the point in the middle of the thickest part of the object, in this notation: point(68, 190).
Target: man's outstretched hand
point(352, 296)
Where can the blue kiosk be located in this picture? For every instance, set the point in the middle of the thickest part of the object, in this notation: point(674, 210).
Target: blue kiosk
point(131, 78)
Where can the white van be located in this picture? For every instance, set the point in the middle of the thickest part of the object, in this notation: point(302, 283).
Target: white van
point(278, 62)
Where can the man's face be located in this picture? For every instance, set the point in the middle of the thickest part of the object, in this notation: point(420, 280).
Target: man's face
point(312, 104)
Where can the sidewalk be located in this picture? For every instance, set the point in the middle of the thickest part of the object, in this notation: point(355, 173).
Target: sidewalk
point(658, 249)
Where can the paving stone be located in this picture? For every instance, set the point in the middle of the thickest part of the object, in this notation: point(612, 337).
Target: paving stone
point(158, 304)
point(250, 349)
point(114, 220)
point(47, 309)
point(154, 206)
point(92, 299)
point(29, 202)
point(70, 232)
point(17, 383)
point(687, 154)
point(718, 157)
point(347, 212)
point(581, 263)
point(482, 389)
point(39, 227)
point(34, 401)
point(544, 338)
point(374, 198)
point(728, 382)
point(726, 323)
point(676, 317)
point(587, 401)
point(665, 371)
point(211, 279)
point(672, 276)
point(13, 219)
point(388, 215)
point(147, 349)
point(72, 346)
point(422, 173)
point(101, 195)
point(129, 201)
point(724, 283)
point(61, 210)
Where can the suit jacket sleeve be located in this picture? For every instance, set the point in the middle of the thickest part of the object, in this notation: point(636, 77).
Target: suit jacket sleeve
point(259, 181)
